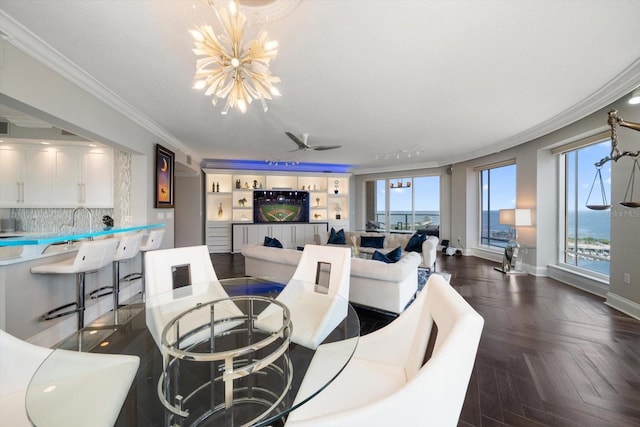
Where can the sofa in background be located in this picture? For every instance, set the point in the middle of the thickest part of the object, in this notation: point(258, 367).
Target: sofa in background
point(375, 284)
point(391, 241)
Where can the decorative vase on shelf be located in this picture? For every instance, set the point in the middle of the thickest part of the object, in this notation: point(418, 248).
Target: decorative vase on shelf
point(220, 212)
point(238, 184)
point(317, 201)
point(336, 184)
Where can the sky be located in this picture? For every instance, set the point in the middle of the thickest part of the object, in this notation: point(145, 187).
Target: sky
point(587, 172)
point(426, 189)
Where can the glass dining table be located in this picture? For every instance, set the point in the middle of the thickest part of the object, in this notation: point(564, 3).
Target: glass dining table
point(223, 367)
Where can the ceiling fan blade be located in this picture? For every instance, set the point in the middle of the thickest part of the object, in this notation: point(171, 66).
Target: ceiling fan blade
point(325, 147)
point(301, 145)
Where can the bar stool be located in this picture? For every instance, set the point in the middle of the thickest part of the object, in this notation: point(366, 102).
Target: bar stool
point(153, 242)
point(92, 256)
point(128, 248)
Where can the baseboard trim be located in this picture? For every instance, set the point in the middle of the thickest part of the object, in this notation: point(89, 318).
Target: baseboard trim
point(624, 305)
point(577, 280)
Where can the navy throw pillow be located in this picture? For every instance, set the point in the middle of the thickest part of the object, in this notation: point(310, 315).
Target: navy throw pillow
point(415, 243)
point(336, 237)
point(390, 258)
point(372, 242)
point(272, 242)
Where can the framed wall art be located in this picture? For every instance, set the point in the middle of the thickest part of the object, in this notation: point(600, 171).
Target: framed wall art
point(165, 163)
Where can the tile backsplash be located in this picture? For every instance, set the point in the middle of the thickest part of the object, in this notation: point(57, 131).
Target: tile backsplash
point(49, 220)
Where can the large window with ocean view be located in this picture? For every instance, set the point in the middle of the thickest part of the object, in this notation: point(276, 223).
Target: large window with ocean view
point(586, 239)
point(497, 191)
point(413, 203)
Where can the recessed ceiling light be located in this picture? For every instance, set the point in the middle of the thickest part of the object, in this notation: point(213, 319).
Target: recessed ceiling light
point(635, 97)
point(92, 145)
point(44, 143)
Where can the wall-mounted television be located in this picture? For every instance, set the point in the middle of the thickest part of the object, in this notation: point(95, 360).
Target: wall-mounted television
point(280, 206)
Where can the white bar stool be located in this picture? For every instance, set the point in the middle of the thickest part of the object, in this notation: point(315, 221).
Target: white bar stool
point(153, 242)
point(92, 256)
point(128, 248)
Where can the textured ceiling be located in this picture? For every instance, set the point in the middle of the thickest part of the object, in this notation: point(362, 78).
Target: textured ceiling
point(459, 78)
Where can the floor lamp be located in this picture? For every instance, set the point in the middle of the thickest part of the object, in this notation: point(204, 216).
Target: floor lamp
point(511, 261)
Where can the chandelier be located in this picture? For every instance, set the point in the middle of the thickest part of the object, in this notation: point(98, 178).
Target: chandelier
point(228, 68)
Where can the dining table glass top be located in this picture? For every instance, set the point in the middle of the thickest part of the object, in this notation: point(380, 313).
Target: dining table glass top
point(238, 372)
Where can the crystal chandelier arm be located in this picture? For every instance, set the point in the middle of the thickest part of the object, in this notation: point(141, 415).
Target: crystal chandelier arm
point(229, 70)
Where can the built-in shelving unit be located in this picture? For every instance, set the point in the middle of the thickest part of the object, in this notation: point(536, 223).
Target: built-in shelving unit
point(229, 200)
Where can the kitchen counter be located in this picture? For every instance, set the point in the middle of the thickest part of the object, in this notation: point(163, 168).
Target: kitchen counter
point(22, 239)
point(24, 296)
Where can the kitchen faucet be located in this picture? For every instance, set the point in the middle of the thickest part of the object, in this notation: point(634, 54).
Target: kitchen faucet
point(73, 217)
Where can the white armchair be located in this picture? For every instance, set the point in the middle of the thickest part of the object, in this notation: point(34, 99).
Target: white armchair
point(386, 383)
point(317, 295)
point(199, 283)
point(88, 386)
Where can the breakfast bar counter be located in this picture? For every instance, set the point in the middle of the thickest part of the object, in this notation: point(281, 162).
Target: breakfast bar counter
point(20, 246)
point(24, 296)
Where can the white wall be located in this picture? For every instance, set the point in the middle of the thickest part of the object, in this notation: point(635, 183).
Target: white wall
point(538, 184)
point(27, 85)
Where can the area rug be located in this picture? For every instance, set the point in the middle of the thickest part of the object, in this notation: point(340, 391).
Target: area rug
point(424, 273)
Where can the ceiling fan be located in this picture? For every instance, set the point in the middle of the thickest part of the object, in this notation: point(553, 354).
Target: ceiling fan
point(304, 146)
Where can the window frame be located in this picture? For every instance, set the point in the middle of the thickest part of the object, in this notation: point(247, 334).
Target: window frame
point(479, 170)
point(387, 202)
point(563, 200)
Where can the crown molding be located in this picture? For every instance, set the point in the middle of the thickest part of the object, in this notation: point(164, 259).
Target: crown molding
point(618, 87)
point(20, 37)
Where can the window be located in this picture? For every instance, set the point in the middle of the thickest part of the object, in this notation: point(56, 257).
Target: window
point(587, 232)
point(413, 203)
point(498, 191)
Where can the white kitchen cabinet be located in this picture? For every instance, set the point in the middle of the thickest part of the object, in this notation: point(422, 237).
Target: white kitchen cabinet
point(83, 177)
point(26, 174)
point(97, 178)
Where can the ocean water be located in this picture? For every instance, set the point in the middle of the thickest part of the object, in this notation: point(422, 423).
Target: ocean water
point(401, 220)
point(591, 224)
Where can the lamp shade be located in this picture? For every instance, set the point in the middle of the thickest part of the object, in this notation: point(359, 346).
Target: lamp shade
point(523, 217)
point(515, 217)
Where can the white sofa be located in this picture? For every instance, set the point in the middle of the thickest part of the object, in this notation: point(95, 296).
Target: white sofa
point(391, 241)
point(375, 284)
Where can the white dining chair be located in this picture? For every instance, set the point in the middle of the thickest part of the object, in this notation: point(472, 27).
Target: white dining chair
point(386, 382)
point(317, 295)
point(75, 389)
point(178, 279)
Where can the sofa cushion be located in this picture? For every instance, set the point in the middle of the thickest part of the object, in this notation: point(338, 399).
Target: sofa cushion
point(272, 242)
point(415, 242)
point(390, 257)
point(336, 237)
point(372, 242)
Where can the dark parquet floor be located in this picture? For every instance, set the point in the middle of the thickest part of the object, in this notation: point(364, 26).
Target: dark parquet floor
point(550, 354)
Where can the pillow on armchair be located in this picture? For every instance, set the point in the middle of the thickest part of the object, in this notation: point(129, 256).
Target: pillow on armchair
point(272, 242)
point(372, 242)
point(336, 237)
point(390, 258)
point(415, 242)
